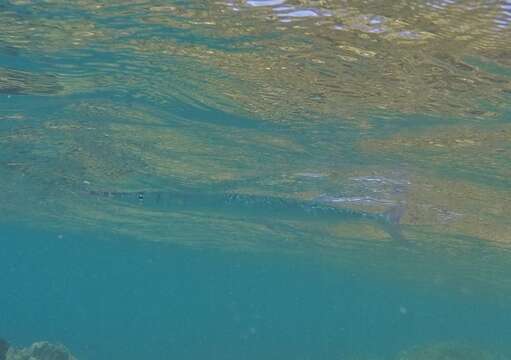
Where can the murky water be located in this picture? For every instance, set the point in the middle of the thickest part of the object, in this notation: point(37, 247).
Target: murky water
point(354, 145)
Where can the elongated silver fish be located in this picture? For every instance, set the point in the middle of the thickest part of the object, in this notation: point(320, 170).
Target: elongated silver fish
point(256, 207)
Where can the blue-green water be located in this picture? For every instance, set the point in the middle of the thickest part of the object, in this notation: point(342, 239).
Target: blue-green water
point(256, 179)
point(134, 300)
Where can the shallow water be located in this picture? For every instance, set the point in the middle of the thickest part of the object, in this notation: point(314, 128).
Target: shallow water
point(256, 179)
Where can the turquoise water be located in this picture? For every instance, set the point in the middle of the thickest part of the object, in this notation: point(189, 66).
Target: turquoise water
point(256, 179)
point(121, 299)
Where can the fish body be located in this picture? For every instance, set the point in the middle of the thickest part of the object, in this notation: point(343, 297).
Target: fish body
point(256, 207)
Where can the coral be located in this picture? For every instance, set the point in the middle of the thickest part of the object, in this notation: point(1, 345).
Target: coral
point(4, 347)
point(40, 351)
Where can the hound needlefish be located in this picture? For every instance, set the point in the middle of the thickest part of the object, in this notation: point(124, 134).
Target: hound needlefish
point(257, 207)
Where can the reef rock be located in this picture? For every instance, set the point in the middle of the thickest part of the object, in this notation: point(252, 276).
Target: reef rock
point(40, 351)
point(448, 351)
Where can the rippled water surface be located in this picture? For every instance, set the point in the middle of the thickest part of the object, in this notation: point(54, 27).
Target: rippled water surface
point(355, 145)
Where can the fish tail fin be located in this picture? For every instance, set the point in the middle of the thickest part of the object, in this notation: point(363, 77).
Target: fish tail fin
point(392, 219)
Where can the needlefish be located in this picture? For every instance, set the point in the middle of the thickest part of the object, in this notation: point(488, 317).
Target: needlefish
point(257, 207)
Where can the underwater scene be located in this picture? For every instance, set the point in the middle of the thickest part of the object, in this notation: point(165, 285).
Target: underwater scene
point(255, 179)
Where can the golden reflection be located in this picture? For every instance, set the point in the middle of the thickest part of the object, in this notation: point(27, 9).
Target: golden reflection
point(348, 58)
